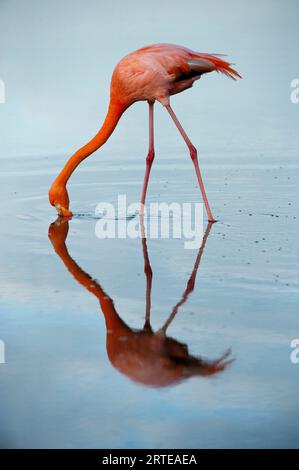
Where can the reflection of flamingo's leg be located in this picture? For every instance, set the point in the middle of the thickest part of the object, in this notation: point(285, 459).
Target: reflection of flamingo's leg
point(149, 276)
point(191, 281)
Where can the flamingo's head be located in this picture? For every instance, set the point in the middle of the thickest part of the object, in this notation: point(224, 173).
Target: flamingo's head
point(59, 198)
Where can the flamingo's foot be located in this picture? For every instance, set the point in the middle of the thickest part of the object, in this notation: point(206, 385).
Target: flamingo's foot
point(62, 211)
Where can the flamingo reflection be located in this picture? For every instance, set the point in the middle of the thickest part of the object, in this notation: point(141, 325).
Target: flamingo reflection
point(146, 357)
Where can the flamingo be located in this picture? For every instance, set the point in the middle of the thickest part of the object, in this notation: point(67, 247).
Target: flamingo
point(150, 358)
point(152, 73)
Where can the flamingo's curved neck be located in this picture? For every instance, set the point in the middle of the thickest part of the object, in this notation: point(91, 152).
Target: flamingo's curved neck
point(114, 113)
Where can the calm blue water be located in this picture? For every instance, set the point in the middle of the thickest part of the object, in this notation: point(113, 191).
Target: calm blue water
point(58, 387)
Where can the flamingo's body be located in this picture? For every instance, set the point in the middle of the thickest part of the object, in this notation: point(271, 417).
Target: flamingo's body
point(148, 74)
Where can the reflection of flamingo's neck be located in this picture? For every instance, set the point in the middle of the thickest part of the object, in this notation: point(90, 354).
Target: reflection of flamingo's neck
point(114, 324)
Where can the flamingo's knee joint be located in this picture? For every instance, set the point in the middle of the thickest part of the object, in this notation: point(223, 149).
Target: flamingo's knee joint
point(193, 153)
point(150, 156)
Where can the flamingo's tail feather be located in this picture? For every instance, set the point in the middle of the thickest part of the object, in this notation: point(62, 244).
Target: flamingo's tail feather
point(214, 62)
point(228, 71)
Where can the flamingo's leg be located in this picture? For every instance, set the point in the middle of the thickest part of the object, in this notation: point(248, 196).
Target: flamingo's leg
point(150, 155)
point(193, 154)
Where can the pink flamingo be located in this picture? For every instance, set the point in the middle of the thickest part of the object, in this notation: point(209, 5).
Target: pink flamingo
point(152, 73)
